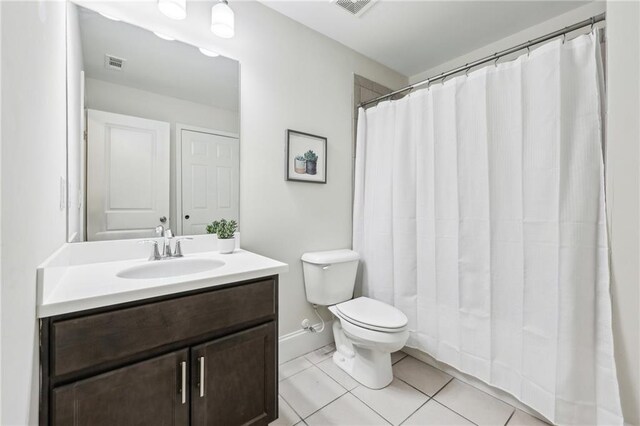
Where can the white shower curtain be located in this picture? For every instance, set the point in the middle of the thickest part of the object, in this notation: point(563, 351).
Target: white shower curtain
point(480, 213)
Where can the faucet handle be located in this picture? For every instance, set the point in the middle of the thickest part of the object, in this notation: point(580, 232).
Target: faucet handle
point(177, 251)
point(155, 254)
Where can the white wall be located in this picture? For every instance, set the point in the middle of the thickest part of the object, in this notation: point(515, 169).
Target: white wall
point(33, 161)
point(560, 21)
point(111, 97)
point(291, 78)
point(623, 178)
point(105, 96)
point(623, 194)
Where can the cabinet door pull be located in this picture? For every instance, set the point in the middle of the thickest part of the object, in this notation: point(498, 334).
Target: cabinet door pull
point(201, 361)
point(183, 381)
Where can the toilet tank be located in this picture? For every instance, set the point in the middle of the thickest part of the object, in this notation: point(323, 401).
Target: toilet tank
point(330, 276)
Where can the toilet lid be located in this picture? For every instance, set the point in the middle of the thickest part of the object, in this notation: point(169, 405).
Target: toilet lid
point(372, 312)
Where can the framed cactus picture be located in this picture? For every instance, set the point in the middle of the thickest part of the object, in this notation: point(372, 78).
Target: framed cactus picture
point(306, 159)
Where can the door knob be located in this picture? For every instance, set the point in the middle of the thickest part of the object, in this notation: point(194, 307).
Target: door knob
point(186, 216)
point(163, 219)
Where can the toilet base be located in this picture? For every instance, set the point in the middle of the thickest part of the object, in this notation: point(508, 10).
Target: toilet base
point(372, 370)
point(370, 367)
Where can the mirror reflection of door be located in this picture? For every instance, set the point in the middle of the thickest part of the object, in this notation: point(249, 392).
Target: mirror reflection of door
point(127, 176)
point(140, 90)
point(210, 179)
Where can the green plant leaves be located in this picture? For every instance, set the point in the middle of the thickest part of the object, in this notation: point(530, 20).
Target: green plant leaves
point(223, 229)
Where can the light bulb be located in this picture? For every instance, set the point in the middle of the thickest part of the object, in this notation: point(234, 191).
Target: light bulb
point(174, 9)
point(222, 20)
point(207, 52)
point(164, 37)
point(109, 17)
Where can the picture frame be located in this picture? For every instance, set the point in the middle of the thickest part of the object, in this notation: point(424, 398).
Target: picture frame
point(306, 157)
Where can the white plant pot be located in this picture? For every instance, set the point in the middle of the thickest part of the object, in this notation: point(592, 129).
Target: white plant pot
point(226, 246)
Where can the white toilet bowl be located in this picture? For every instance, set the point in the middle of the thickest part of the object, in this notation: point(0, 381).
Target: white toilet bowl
point(366, 331)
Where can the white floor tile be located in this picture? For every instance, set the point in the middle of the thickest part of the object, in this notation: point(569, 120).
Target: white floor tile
point(434, 414)
point(292, 367)
point(286, 415)
point(310, 390)
point(321, 354)
point(395, 403)
point(520, 418)
point(346, 410)
point(421, 376)
point(477, 406)
point(338, 374)
point(397, 356)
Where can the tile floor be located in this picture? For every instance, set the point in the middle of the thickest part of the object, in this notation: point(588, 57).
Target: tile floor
point(314, 391)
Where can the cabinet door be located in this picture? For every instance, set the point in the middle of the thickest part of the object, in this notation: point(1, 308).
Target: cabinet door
point(234, 380)
point(153, 392)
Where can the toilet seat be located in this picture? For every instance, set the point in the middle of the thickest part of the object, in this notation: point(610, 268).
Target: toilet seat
point(372, 315)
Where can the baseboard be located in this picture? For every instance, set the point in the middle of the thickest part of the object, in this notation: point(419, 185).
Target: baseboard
point(473, 381)
point(301, 342)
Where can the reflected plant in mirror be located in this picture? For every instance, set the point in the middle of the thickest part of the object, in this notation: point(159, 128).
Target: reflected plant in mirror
point(152, 132)
point(223, 229)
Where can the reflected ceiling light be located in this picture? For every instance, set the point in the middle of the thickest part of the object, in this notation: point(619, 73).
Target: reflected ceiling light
point(222, 20)
point(109, 17)
point(174, 9)
point(164, 37)
point(208, 52)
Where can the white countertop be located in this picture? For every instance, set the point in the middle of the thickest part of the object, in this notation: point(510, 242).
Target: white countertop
point(65, 287)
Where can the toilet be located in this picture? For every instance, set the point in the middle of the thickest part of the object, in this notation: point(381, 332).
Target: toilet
point(366, 331)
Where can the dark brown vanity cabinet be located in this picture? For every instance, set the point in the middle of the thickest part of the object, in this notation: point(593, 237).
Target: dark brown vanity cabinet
point(202, 358)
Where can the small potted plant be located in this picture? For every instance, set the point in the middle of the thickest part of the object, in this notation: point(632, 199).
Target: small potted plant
point(300, 165)
point(225, 231)
point(312, 161)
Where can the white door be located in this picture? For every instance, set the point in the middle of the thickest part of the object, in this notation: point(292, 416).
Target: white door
point(210, 179)
point(127, 176)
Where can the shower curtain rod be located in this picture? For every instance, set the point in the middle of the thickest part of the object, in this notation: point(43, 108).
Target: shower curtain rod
point(591, 21)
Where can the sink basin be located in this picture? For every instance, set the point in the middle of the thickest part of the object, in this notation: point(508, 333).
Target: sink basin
point(169, 268)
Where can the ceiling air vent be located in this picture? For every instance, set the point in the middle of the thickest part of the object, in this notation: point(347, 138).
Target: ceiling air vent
point(113, 63)
point(355, 7)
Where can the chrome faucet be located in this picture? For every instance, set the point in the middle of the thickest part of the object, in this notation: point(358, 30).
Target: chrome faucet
point(155, 253)
point(166, 248)
point(167, 235)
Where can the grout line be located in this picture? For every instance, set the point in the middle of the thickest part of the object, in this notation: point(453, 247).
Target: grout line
point(339, 396)
point(328, 403)
point(295, 374)
point(416, 410)
point(339, 384)
point(411, 386)
point(370, 407)
point(509, 419)
point(455, 412)
point(479, 390)
point(444, 386)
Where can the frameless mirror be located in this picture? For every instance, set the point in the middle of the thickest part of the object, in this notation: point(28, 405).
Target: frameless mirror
point(152, 132)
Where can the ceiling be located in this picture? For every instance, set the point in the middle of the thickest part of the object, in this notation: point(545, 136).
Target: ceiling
point(169, 68)
point(414, 36)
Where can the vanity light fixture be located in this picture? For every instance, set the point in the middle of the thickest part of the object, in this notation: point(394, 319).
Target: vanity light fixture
point(174, 9)
point(164, 37)
point(207, 52)
point(222, 20)
point(109, 17)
